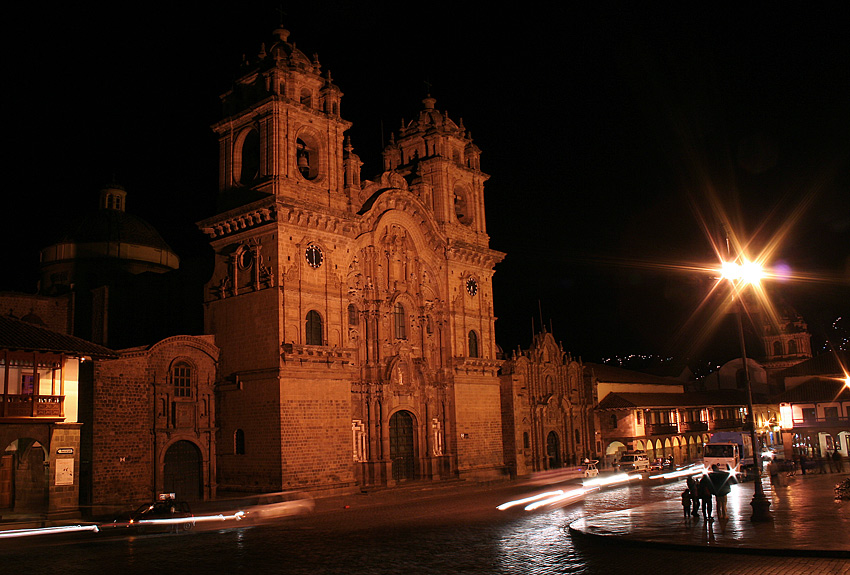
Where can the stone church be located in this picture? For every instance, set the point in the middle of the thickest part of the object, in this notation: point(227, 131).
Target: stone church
point(546, 408)
point(354, 316)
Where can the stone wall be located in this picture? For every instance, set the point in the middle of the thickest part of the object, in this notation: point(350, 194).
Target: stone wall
point(479, 429)
point(122, 456)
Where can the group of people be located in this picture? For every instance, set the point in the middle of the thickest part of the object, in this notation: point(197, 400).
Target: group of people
point(803, 463)
point(715, 484)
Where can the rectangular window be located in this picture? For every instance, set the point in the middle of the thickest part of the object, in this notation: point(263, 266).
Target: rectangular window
point(398, 320)
point(27, 383)
point(181, 378)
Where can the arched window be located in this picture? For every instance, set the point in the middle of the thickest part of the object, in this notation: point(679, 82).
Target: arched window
point(249, 158)
point(307, 156)
point(352, 315)
point(463, 208)
point(306, 97)
point(777, 348)
point(398, 321)
point(181, 379)
point(313, 331)
point(526, 443)
point(473, 344)
point(613, 421)
point(239, 442)
point(792, 347)
point(578, 437)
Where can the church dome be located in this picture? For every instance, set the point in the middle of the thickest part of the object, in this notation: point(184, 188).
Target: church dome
point(114, 227)
point(108, 237)
point(111, 224)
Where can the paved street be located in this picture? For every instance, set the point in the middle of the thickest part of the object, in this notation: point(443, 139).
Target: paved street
point(411, 532)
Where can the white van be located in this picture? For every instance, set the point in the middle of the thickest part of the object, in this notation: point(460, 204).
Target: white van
point(633, 462)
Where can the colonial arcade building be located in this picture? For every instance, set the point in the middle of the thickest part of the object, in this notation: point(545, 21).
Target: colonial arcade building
point(355, 317)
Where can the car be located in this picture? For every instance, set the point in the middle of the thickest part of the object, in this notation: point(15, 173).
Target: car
point(590, 468)
point(165, 515)
point(271, 506)
point(633, 462)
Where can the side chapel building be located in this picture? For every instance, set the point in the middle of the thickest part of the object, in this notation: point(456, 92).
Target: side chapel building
point(354, 317)
point(546, 409)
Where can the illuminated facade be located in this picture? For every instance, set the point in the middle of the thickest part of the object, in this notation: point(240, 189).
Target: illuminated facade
point(638, 411)
point(814, 409)
point(546, 409)
point(355, 317)
point(667, 424)
point(44, 373)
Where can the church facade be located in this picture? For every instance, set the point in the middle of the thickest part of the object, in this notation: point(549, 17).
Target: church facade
point(354, 317)
point(546, 409)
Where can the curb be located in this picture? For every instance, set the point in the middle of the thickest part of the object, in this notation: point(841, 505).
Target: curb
point(636, 541)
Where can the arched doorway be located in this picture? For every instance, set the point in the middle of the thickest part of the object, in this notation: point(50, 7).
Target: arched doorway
point(402, 452)
point(182, 471)
point(553, 450)
point(24, 476)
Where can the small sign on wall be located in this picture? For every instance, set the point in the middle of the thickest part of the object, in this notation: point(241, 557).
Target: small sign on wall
point(64, 472)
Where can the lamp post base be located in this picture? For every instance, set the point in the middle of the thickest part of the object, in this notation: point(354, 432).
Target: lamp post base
point(761, 508)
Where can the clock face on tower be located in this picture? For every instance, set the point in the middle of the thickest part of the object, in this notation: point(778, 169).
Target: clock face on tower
point(471, 287)
point(314, 256)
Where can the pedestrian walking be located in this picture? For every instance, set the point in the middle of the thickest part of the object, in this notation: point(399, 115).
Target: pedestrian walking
point(839, 465)
point(721, 484)
point(705, 494)
point(821, 466)
point(775, 472)
point(802, 464)
point(693, 487)
point(686, 502)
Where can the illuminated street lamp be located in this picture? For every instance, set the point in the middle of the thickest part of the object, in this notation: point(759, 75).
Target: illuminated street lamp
point(740, 275)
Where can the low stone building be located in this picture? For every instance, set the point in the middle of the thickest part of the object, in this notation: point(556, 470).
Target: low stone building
point(150, 424)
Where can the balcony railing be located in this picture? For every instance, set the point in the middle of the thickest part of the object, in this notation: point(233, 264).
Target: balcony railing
point(725, 424)
point(16, 407)
point(693, 426)
point(820, 421)
point(662, 429)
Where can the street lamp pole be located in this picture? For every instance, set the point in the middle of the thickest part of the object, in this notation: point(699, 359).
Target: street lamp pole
point(760, 503)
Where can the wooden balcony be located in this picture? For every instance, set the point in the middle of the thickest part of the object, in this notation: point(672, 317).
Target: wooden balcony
point(662, 429)
point(23, 408)
point(693, 426)
point(718, 424)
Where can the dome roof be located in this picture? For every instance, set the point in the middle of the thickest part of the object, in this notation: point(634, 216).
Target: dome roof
point(110, 233)
point(114, 226)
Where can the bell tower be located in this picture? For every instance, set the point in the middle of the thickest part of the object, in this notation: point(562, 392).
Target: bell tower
point(437, 154)
point(282, 133)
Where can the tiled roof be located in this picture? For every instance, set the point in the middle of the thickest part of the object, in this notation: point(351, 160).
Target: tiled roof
point(724, 397)
point(816, 389)
point(824, 364)
point(610, 374)
point(17, 335)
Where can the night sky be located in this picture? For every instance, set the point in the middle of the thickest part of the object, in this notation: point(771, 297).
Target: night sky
point(603, 130)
